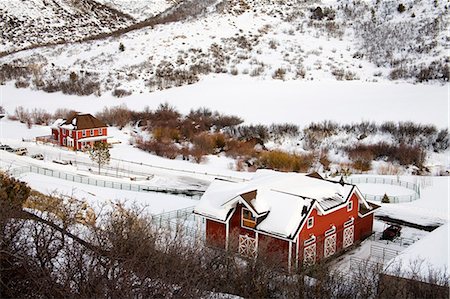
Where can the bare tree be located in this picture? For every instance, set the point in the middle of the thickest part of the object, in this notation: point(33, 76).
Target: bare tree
point(99, 153)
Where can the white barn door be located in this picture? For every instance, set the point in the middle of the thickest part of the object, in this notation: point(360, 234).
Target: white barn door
point(247, 246)
point(348, 236)
point(329, 246)
point(309, 254)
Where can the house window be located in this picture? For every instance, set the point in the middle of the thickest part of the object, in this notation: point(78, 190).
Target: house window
point(92, 132)
point(247, 219)
point(310, 222)
point(350, 206)
point(100, 132)
point(84, 133)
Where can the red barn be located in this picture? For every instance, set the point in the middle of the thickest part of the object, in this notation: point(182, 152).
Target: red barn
point(79, 131)
point(302, 218)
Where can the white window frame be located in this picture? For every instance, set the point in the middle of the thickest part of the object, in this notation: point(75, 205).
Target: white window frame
point(92, 132)
point(242, 218)
point(308, 224)
point(350, 206)
point(100, 131)
point(349, 222)
point(309, 241)
point(83, 133)
point(331, 231)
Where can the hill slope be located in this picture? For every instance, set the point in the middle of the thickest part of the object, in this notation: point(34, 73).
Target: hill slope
point(285, 40)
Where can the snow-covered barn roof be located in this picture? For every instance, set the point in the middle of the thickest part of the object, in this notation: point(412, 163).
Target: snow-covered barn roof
point(284, 199)
point(427, 257)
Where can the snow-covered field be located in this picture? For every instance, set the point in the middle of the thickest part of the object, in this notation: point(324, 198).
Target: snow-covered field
point(267, 102)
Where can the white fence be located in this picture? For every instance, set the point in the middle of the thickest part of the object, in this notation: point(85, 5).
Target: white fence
point(388, 181)
point(76, 178)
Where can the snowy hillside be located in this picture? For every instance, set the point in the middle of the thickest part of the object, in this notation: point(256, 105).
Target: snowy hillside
point(290, 40)
point(36, 22)
point(139, 9)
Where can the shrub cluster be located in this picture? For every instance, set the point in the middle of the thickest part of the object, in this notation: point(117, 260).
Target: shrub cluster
point(405, 155)
point(283, 161)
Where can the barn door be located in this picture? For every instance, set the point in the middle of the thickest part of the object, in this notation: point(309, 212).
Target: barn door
point(247, 246)
point(329, 246)
point(309, 254)
point(348, 236)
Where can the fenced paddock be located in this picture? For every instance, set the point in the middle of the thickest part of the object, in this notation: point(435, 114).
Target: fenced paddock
point(77, 178)
point(388, 181)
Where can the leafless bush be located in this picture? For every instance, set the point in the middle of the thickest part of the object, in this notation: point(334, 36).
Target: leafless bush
point(120, 93)
point(283, 130)
point(403, 154)
point(283, 161)
point(22, 114)
point(22, 83)
point(118, 116)
point(279, 74)
point(63, 113)
point(40, 116)
point(166, 150)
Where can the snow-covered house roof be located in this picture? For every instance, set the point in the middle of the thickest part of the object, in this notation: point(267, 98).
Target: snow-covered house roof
point(79, 121)
point(427, 257)
point(284, 199)
point(57, 123)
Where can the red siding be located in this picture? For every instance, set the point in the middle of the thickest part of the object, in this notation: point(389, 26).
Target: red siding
point(274, 247)
point(215, 234)
point(364, 227)
point(323, 223)
point(236, 229)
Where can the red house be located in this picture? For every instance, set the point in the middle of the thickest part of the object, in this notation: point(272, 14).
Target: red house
point(79, 131)
point(302, 218)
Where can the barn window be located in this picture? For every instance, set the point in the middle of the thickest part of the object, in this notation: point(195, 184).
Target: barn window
point(310, 222)
point(350, 206)
point(309, 241)
point(349, 222)
point(330, 231)
point(247, 218)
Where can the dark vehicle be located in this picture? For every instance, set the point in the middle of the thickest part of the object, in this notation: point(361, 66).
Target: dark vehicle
point(5, 147)
point(391, 232)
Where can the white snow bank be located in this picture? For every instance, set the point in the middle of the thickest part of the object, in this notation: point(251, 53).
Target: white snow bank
point(425, 257)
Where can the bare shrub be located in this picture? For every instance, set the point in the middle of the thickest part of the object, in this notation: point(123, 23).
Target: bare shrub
point(63, 113)
point(166, 150)
point(120, 93)
point(118, 116)
point(22, 114)
point(21, 83)
point(283, 161)
point(279, 74)
point(40, 116)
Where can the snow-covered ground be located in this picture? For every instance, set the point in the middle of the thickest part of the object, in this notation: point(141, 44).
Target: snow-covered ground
point(267, 102)
point(98, 197)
